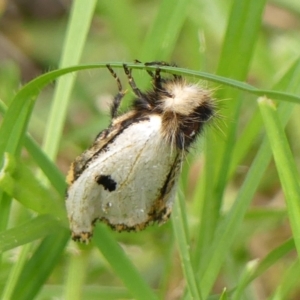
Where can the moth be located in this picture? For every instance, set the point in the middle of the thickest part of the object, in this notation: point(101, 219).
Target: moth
point(128, 177)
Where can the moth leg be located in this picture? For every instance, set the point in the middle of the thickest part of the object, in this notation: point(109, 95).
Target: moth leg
point(157, 80)
point(162, 63)
point(117, 99)
point(136, 61)
point(132, 82)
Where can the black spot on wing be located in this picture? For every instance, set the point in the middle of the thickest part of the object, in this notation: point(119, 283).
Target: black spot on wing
point(108, 183)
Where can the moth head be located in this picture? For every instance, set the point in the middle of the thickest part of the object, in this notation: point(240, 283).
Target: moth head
point(185, 109)
point(183, 98)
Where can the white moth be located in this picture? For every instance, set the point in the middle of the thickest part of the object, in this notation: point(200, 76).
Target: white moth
point(128, 177)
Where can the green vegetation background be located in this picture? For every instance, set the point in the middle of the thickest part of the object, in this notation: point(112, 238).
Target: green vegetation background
point(235, 227)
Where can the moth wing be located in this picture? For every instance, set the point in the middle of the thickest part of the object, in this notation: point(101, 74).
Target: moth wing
point(129, 184)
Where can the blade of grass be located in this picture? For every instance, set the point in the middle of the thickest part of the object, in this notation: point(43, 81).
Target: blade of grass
point(55, 177)
point(285, 164)
point(246, 273)
point(53, 174)
point(253, 128)
point(37, 228)
point(241, 35)
point(80, 10)
point(79, 24)
point(11, 137)
point(290, 281)
point(181, 235)
point(118, 15)
point(41, 265)
point(228, 228)
point(161, 38)
point(244, 143)
point(90, 292)
point(224, 295)
point(11, 140)
point(242, 31)
point(15, 272)
point(274, 256)
point(76, 276)
point(19, 182)
point(121, 264)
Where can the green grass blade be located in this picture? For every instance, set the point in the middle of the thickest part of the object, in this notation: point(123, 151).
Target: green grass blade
point(224, 295)
point(228, 228)
point(89, 291)
point(13, 129)
point(242, 31)
point(160, 41)
point(19, 182)
point(54, 175)
point(241, 35)
point(79, 24)
point(285, 164)
point(50, 170)
point(41, 265)
point(121, 264)
point(81, 12)
point(254, 126)
point(290, 281)
point(118, 15)
point(244, 143)
point(37, 228)
point(76, 275)
point(181, 235)
point(272, 258)
point(16, 271)
point(246, 273)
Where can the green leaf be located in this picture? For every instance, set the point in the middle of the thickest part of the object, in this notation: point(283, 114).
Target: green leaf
point(270, 260)
point(37, 228)
point(285, 164)
point(121, 264)
point(242, 31)
point(290, 281)
point(50, 170)
point(161, 39)
point(19, 182)
point(40, 265)
point(228, 227)
point(182, 238)
point(79, 24)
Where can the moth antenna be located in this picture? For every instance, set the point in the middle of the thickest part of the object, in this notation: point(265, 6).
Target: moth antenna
point(117, 99)
point(131, 81)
